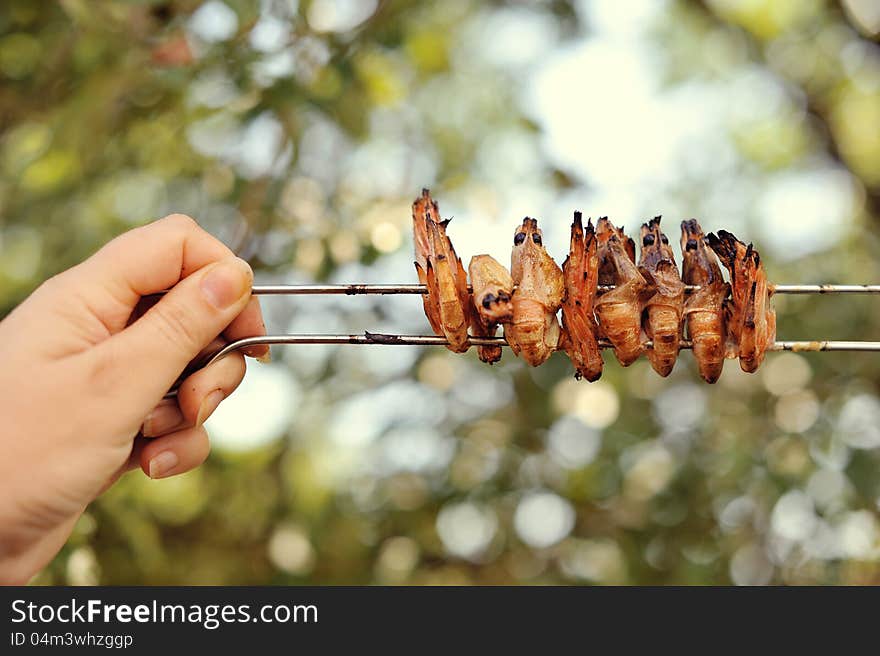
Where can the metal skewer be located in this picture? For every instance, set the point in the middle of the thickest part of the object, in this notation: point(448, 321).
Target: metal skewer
point(434, 340)
point(825, 289)
point(364, 289)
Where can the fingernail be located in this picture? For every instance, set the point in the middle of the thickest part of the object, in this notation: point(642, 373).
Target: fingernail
point(266, 358)
point(226, 282)
point(209, 404)
point(162, 419)
point(259, 352)
point(162, 464)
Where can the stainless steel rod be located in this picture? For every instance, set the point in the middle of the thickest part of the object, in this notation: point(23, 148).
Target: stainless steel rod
point(349, 290)
point(816, 345)
point(362, 289)
point(434, 340)
point(825, 289)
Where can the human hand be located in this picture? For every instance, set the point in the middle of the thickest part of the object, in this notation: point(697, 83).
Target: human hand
point(82, 380)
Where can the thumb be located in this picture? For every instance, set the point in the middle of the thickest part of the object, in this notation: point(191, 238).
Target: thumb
point(164, 340)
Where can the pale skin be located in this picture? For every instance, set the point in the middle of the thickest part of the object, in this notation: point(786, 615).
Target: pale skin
point(81, 384)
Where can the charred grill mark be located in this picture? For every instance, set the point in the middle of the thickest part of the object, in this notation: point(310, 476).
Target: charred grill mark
point(381, 338)
point(724, 246)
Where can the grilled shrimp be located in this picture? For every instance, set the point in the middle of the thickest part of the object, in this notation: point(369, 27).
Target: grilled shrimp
point(534, 332)
point(663, 310)
point(447, 303)
point(751, 320)
point(492, 292)
point(704, 307)
point(619, 310)
point(579, 327)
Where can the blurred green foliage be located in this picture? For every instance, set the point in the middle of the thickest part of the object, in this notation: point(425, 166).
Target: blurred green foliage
point(299, 132)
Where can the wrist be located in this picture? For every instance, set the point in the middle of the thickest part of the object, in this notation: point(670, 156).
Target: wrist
point(22, 557)
point(26, 545)
point(12, 572)
point(14, 556)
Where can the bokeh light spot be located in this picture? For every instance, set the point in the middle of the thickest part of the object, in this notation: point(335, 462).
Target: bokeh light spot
point(601, 561)
point(386, 237)
point(83, 567)
point(596, 404)
point(466, 529)
point(859, 422)
point(290, 550)
point(786, 372)
point(793, 516)
point(259, 412)
point(680, 407)
point(649, 468)
point(438, 371)
point(398, 557)
point(572, 443)
point(797, 411)
point(214, 21)
point(543, 518)
point(339, 15)
point(750, 566)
